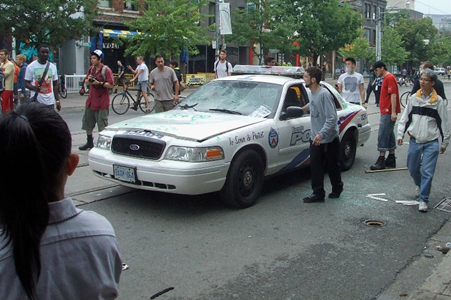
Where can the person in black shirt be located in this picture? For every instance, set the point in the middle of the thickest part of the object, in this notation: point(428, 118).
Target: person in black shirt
point(438, 84)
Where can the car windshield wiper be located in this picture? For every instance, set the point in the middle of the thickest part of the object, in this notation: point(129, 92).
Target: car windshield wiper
point(227, 111)
point(186, 106)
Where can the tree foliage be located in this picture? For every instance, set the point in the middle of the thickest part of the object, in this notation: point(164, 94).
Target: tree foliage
point(358, 49)
point(393, 52)
point(263, 24)
point(324, 26)
point(439, 50)
point(167, 27)
point(416, 35)
point(47, 21)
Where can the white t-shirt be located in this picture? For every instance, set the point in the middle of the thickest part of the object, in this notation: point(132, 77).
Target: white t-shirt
point(144, 76)
point(34, 73)
point(351, 86)
point(221, 69)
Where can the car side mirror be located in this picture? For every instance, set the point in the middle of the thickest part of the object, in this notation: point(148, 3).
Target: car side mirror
point(292, 112)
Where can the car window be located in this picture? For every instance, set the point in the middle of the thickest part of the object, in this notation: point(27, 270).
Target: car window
point(249, 98)
point(334, 94)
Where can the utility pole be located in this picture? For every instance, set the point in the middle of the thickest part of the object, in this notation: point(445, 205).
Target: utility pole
point(218, 24)
point(378, 35)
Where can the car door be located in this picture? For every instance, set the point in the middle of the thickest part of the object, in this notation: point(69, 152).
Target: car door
point(294, 134)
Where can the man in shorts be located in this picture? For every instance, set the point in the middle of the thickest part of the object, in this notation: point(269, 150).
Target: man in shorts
point(96, 110)
point(8, 93)
point(142, 74)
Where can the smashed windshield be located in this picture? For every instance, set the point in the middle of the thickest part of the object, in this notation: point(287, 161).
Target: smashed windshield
point(248, 98)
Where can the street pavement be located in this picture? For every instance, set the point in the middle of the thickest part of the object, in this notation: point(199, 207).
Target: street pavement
point(85, 188)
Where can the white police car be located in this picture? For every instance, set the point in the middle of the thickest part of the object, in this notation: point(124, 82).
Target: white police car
point(227, 136)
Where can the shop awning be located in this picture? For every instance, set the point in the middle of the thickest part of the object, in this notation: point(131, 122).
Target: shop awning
point(118, 33)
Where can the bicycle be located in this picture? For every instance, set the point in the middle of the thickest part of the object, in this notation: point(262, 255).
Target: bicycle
point(62, 87)
point(121, 102)
point(404, 98)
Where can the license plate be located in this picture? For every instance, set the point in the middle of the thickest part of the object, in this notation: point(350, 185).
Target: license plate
point(126, 174)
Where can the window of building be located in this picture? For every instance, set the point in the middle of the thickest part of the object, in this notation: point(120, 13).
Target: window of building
point(128, 5)
point(212, 13)
point(104, 3)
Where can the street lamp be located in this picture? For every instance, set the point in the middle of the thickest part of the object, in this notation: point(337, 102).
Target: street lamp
point(379, 27)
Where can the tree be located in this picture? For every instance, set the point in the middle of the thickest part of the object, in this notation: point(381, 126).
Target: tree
point(167, 27)
point(393, 52)
point(359, 48)
point(264, 24)
point(415, 35)
point(324, 26)
point(46, 21)
point(439, 50)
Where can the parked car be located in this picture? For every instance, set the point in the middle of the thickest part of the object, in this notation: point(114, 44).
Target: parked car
point(225, 137)
point(440, 71)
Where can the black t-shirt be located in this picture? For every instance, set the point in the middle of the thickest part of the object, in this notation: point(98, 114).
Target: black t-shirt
point(119, 70)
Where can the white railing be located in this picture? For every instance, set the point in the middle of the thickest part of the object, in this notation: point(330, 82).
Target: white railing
point(73, 82)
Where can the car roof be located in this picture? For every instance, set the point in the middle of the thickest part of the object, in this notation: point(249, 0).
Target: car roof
point(260, 78)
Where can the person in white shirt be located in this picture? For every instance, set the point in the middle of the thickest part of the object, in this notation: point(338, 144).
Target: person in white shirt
point(351, 85)
point(49, 249)
point(222, 67)
point(142, 74)
point(48, 91)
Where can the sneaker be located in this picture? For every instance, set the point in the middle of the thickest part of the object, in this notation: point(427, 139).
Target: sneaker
point(147, 111)
point(379, 165)
point(135, 107)
point(422, 207)
point(390, 162)
point(313, 198)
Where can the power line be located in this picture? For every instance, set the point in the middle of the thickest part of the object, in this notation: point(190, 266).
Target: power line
point(427, 5)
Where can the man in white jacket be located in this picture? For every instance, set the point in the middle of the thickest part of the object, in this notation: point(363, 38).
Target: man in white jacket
point(425, 120)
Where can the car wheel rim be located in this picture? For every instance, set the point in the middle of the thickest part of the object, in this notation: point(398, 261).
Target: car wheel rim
point(246, 180)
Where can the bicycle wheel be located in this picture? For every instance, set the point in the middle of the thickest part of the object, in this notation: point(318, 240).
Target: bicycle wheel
point(120, 103)
point(142, 102)
point(404, 98)
point(63, 92)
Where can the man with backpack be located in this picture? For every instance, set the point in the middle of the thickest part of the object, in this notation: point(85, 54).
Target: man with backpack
point(100, 79)
point(222, 67)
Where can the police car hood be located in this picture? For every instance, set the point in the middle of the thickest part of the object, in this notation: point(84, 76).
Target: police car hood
point(188, 125)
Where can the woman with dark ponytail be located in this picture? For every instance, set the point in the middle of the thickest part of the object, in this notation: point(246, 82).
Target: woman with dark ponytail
point(49, 249)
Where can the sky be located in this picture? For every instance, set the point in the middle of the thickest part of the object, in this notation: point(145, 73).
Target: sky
point(434, 7)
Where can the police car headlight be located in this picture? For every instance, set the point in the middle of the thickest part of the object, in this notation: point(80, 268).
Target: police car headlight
point(104, 142)
point(194, 154)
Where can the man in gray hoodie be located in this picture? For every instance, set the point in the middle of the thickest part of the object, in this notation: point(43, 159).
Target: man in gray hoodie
point(325, 143)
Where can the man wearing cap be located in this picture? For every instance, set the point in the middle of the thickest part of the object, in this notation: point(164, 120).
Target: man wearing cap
point(389, 106)
point(100, 79)
point(48, 89)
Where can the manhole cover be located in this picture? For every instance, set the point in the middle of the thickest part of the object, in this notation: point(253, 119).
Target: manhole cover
point(444, 205)
point(375, 223)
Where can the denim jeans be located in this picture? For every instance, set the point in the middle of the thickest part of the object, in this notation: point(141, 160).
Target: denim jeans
point(422, 169)
point(386, 140)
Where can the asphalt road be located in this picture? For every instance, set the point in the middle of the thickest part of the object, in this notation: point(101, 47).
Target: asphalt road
point(280, 248)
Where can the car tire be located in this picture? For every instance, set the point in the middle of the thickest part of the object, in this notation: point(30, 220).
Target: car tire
point(348, 149)
point(244, 181)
